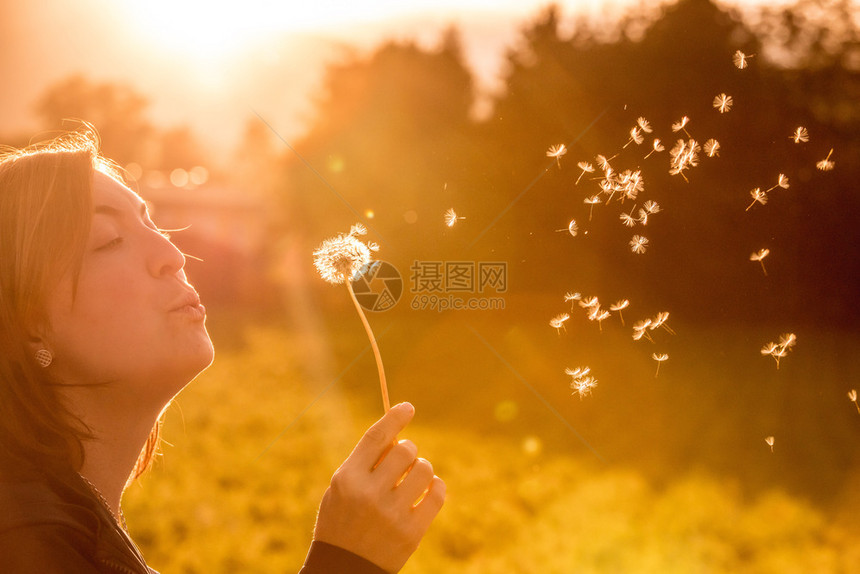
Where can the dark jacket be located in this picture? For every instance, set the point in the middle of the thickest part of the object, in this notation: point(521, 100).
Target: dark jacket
point(56, 525)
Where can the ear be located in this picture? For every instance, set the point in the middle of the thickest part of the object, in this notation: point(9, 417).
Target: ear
point(37, 337)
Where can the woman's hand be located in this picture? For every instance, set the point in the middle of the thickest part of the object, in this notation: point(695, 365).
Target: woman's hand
point(382, 499)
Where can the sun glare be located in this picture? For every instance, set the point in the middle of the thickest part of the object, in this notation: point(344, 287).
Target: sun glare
point(210, 30)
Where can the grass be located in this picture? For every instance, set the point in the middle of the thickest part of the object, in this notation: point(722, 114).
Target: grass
point(684, 484)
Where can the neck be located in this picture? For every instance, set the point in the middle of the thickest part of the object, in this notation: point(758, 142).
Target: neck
point(110, 457)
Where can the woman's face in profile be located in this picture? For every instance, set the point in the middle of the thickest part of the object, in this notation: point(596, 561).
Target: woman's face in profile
point(133, 320)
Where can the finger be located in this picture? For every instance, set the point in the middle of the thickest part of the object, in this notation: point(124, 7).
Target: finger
point(431, 502)
point(396, 462)
point(380, 436)
point(416, 482)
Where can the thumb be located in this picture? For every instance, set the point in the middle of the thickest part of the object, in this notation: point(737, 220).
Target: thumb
point(381, 435)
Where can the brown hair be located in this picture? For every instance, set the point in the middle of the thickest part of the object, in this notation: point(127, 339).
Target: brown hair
point(45, 216)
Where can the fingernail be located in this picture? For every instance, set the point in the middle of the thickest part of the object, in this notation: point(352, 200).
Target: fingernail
point(405, 407)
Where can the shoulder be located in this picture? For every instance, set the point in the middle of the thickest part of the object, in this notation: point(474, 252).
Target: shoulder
point(44, 527)
point(324, 558)
point(37, 549)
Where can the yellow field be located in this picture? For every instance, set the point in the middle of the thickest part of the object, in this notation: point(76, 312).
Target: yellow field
point(255, 439)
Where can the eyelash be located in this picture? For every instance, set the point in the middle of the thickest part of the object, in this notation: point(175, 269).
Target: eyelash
point(112, 243)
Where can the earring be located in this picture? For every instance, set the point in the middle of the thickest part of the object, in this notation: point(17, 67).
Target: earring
point(44, 357)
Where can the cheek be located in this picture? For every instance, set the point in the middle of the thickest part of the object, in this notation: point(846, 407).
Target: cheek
point(105, 316)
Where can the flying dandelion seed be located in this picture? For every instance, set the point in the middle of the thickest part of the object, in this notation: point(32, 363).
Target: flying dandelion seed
point(451, 217)
point(758, 196)
point(723, 103)
point(759, 256)
point(591, 201)
point(603, 161)
point(644, 125)
point(712, 148)
point(852, 395)
point(572, 298)
point(586, 168)
point(599, 316)
point(659, 358)
point(657, 147)
point(769, 440)
point(619, 306)
point(556, 152)
point(741, 60)
point(557, 322)
point(635, 137)
point(660, 321)
point(589, 303)
point(786, 342)
point(342, 259)
point(627, 219)
point(640, 329)
point(684, 156)
point(638, 244)
point(572, 228)
point(682, 125)
point(826, 164)
point(800, 135)
point(651, 206)
point(581, 381)
point(643, 217)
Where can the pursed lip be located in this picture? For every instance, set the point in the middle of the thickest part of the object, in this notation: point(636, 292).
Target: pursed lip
point(188, 299)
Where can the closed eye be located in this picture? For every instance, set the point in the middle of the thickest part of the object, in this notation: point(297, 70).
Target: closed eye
point(110, 244)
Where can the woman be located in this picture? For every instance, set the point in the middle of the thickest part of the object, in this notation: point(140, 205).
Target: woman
point(99, 330)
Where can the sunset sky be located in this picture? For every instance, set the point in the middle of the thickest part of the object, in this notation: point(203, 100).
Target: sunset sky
point(211, 65)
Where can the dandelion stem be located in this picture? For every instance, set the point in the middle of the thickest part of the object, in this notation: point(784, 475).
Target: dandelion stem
point(382, 384)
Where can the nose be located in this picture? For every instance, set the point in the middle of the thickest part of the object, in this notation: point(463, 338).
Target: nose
point(165, 258)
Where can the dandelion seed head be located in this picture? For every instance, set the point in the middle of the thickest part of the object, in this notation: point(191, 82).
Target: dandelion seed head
point(769, 440)
point(852, 394)
point(660, 358)
point(658, 146)
point(572, 296)
point(643, 217)
point(585, 166)
point(619, 305)
point(782, 181)
point(636, 135)
point(593, 200)
point(723, 103)
point(343, 258)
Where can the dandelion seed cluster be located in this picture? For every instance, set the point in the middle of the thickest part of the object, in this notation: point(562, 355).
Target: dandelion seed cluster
point(787, 341)
point(341, 258)
point(624, 186)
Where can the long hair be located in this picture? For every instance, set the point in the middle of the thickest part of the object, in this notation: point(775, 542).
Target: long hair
point(45, 217)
